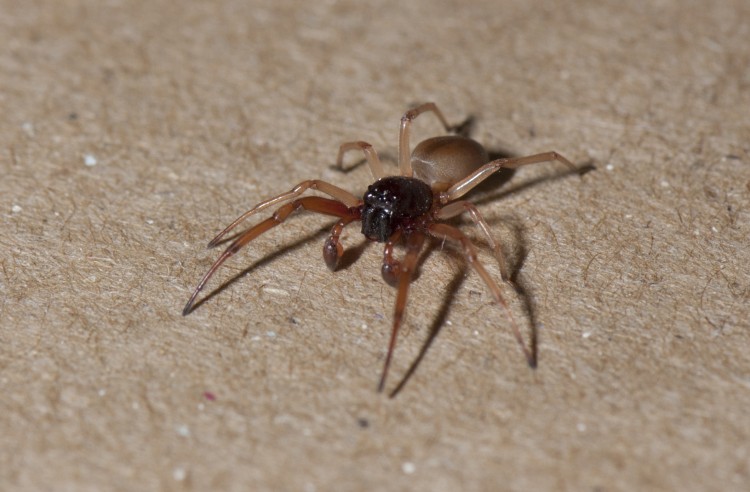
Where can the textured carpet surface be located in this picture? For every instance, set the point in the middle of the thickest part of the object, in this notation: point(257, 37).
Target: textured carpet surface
point(132, 132)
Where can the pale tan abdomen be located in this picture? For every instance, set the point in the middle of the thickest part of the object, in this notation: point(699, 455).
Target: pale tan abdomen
point(443, 161)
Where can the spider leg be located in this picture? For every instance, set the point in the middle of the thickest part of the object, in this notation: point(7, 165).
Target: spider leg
point(317, 204)
point(329, 189)
point(462, 187)
point(404, 152)
point(414, 244)
point(446, 231)
point(332, 249)
point(376, 168)
point(461, 206)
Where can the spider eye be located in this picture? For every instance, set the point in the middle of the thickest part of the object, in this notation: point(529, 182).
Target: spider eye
point(378, 197)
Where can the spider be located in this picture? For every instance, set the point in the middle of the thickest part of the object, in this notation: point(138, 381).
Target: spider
point(406, 208)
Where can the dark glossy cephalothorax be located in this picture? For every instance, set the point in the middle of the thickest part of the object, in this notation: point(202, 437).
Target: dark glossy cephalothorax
point(399, 209)
point(394, 203)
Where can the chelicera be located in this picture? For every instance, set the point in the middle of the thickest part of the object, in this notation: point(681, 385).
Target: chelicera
point(407, 208)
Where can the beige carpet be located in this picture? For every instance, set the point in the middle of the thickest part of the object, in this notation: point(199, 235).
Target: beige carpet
point(131, 134)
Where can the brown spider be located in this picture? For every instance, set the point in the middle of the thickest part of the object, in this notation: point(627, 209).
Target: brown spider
point(407, 208)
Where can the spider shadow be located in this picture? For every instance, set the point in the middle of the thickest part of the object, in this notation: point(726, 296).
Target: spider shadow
point(490, 193)
point(501, 177)
point(438, 322)
point(522, 292)
point(525, 294)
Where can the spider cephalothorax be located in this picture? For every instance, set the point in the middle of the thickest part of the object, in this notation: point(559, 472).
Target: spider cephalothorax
point(394, 203)
point(406, 208)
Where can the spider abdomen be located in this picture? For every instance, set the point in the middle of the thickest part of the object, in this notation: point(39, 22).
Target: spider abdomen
point(393, 203)
point(444, 161)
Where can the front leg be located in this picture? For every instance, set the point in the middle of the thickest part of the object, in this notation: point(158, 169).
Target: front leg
point(414, 245)
point(329, 189)
point(318, 204)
